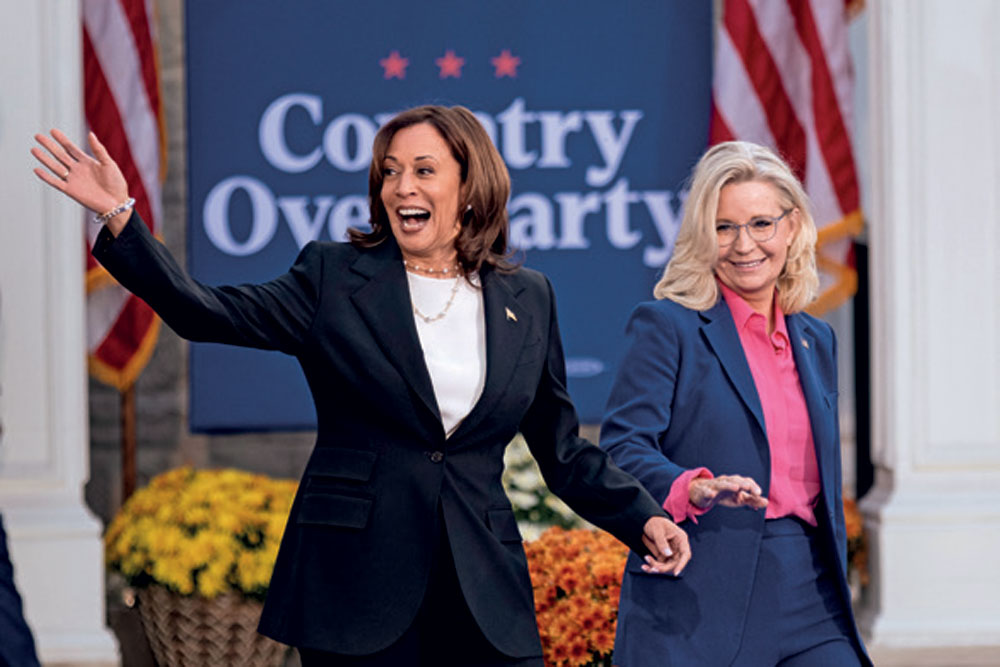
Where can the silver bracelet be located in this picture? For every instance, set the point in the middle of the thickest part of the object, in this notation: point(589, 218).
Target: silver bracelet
point(121, 208)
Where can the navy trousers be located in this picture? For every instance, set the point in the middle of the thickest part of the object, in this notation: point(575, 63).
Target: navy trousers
point(17, 647)
point(797, 616)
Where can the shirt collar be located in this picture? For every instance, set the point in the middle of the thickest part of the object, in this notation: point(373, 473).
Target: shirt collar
point(743, 313)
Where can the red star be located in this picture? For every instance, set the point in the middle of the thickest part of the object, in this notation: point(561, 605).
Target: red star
point(450, 64)
point(505, 64)
point(394, 65)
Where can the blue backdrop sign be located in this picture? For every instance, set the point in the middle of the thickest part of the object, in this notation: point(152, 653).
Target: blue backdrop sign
point(598, 108)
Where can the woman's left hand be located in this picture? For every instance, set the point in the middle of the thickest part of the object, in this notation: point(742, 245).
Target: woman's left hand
point(668, 545)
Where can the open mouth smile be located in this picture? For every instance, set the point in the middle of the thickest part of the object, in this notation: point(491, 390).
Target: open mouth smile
point(413, 218)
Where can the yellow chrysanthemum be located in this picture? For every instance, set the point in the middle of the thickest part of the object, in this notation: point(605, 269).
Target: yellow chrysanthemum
point(201, 532)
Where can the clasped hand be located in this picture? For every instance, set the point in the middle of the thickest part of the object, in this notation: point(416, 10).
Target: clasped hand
point(668, 546)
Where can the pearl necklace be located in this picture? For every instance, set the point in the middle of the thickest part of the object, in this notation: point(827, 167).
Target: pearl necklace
point(444, 311)
point(426, 269)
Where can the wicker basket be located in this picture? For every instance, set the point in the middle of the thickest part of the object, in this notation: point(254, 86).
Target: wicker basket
point(195, 632)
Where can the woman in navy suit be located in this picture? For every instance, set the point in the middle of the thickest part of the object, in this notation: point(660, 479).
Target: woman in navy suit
point(425, 351)
point(725, 408)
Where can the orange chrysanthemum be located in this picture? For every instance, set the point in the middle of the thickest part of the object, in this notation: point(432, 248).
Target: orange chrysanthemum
point(857, 551)
point(576, 575)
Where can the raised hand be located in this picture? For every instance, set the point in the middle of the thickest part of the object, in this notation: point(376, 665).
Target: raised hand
point(95, 182)
point(727, 490)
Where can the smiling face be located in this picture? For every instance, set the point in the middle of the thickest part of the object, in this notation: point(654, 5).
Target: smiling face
point(421, 189)
point(748, 267)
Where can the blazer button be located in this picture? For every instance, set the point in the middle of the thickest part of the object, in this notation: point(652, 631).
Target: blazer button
point(436, 457)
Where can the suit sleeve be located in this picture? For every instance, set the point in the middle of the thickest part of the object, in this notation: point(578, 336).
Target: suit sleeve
point(574, 469)
point(275, 315)
point(639, 407)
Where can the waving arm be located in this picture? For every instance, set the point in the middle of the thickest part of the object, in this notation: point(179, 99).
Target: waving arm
point(94, 182)
point(273, 315)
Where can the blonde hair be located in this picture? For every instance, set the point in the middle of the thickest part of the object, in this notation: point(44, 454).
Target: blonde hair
point(689, 278)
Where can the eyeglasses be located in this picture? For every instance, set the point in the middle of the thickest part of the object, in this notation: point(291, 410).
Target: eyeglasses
point(759, 229)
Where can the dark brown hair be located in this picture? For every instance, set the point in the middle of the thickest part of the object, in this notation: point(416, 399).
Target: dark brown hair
point(482, 238)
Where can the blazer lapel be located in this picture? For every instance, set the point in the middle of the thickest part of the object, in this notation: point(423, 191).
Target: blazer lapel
point(384, 304)
point(507, 326)
point(725, 342)
point(821, 413)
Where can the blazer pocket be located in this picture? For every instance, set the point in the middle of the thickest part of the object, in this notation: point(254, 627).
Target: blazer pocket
point(342, 463)
point(503, 524)
point(329, 509)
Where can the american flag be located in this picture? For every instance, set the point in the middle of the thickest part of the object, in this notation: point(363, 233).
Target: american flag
point(122, 106)
point(783, 78)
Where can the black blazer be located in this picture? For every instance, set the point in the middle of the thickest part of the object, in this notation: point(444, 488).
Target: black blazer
point(354, 560)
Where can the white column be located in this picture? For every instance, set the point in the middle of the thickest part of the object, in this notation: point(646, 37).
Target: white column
point(934, 514)
point(55, 542)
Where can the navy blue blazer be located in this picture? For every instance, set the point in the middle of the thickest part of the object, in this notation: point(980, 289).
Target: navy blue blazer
point(357, 550)
point(684, 397)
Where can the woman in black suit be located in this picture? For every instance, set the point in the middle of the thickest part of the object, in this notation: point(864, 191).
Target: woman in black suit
point(425, 351)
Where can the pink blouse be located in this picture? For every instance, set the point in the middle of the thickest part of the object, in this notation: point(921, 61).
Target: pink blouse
point(795, 482)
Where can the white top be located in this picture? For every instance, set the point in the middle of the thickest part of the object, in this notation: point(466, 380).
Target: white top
point(455, 345)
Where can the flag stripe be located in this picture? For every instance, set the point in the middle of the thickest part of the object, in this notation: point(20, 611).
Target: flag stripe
point(776, 25)
point(125, 375)
point(118, 60)
point(783, 78)
point(130, 327)
point(718, 130)
point(103, 307)
point(135, 13)
point(106, 122)
point(777, 28)
point(736, 100)
point(763, 72)
point(122, 104)
point(830, 128)
point(832, 30)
